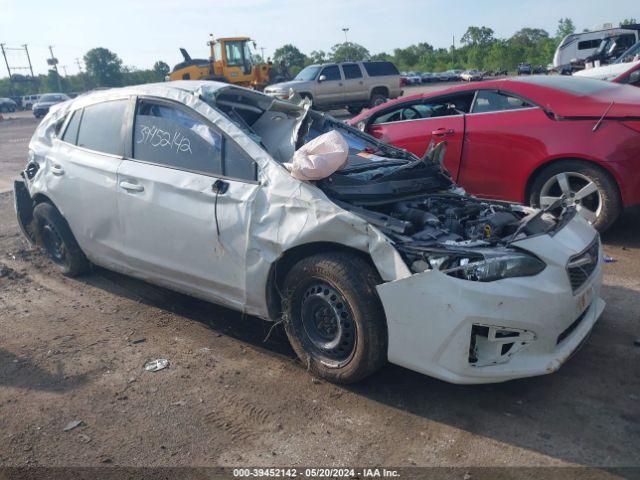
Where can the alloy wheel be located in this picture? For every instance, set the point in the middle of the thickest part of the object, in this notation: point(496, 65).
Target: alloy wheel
point(574, 190)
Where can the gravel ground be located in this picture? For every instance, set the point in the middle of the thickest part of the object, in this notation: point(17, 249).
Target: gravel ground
point(74, 350)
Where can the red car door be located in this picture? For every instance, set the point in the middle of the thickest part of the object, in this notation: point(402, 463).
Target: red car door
point(505, 139)
point(415, 135)
point(413, 124)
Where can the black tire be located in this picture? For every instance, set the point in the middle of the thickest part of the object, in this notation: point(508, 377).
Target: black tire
point(377, 99)
point(353, 110)
point(609, 195)
point(335, 290)
point(54, 235)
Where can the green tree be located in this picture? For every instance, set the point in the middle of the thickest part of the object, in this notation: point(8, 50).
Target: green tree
point(478, 36)
point(529, 37)
point(349, 52)
point(290, 55)
point(565, 27)
point(317, 56)
point(628, 21)
point(104, 67)
point(161, 69)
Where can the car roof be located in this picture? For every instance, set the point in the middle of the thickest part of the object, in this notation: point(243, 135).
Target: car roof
point(158, 88)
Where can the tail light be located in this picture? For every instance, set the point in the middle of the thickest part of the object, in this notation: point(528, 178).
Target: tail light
point(633, 125)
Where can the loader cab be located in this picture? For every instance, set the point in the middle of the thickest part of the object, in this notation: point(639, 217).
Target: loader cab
point(232, 57)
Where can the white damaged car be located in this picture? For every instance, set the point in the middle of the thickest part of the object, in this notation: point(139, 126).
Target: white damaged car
point(188, 185)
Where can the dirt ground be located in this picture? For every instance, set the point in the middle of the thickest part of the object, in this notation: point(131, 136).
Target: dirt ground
point(74, 350)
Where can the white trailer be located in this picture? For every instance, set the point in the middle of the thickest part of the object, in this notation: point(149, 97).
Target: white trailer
point(578, 47)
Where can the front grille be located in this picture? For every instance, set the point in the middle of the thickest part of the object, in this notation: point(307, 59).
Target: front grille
point(582, 266)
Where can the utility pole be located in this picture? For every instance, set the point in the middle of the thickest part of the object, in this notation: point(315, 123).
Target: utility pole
point(64, 69)
point(4, 54)
point(453, 50)
point(29, 60)
point(53, 61)
point(262, 49)
point(79, 65)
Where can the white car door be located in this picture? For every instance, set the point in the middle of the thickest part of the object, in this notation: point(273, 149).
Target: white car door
point(83, 166)
point(185, 192)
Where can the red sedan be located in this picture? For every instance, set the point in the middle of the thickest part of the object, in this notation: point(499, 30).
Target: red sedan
point(531, 140)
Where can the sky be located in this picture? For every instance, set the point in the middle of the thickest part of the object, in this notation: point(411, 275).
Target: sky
point(144, 31)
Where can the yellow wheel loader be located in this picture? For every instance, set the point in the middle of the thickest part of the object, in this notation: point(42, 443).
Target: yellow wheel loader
point(231, 61)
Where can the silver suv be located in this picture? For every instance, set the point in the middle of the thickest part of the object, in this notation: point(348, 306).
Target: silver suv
point(353, 85)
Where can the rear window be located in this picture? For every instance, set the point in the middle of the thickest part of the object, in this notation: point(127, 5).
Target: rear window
point(379, 69)
point(101, 127)
point(572, 85)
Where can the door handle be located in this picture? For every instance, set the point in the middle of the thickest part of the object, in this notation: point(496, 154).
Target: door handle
point(340, 84)
point(132, 187)
point(57, 169)
point(441, 132)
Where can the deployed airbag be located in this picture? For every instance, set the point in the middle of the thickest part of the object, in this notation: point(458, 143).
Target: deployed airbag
point(320, 157)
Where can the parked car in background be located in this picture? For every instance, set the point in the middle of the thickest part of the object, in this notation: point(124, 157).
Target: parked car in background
point(540, 70)
point(29, 100)
point(524, 69)
point(414, 78)
point(428, 77)
point(471, 75)
point(192, 186)
point(41, 107)
point(535, 140)
point(501, 72)
point(351, 85)
point(7, 105)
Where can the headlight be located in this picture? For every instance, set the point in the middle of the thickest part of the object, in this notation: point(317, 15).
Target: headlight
point(480, 268)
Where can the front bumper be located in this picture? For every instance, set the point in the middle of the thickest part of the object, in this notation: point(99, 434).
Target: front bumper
point(431, 316)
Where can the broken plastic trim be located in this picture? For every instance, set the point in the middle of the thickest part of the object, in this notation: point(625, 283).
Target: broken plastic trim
point(491, 345)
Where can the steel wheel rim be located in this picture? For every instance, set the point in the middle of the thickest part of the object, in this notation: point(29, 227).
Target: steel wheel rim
point(327, 323)
point(574, 190)
point(53, 243)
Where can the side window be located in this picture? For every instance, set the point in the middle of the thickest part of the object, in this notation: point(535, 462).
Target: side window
point(101, 127)
point(237, 164)
point(170, 136)
point(380, 69)
point(332, 73)
point(429, 108)
point(351, 70)
point(587, 44)
point(71, 133)
point(488, 101)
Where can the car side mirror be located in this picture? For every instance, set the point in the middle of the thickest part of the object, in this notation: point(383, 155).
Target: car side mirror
point(634, 77)
point(322, 78)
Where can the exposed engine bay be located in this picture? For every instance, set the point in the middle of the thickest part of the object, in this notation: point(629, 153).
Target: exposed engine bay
point(431, 221)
